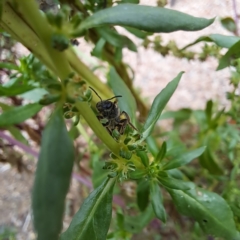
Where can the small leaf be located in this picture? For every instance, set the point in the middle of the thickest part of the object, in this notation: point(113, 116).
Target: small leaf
point(14, 90)
point(161, 153)
point(93, 219)
point(143, 194)
point(173, 183)
point(144, 157)
point(208, 111)
point(52, 178)
point(99, 174)
point(9, 66)
point(157, 201)
point(208, 161)
point(208, 209)
point(147, 18)
point(97, 51)
point(232, 53)
point(158, 105)
point(116, 39)
point(135, 224)
point(127, 102)
point(137, 33)
point(152, 145)
point(128, 1)
point(16, 133)
point(229, 24)
point(184, 159)
point(19, 114)
point(220, 40)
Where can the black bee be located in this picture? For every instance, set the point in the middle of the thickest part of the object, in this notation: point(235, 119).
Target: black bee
point(110, 115)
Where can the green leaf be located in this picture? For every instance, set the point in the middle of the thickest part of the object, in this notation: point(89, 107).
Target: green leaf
point(137, 33)
point(232, 53)
point(220, 40)
point(16, 133)
point(127, 102)
point(9, 66)
point(99, 174)
point(229, 24)
point(52, 178)
point(19, 114)
point(144, 157)
point(14, 90)
point(152, 145)
point(208, 161)
point(184, 159)
point(161, 153)
point(93, 219)
point(128, 1)
point(208, 209)
point(147, 18)
point(97, 51)
point(178, 116)
point(173, 183)
point(158, 105)
point(143, 194)
point(116, 39)
point(157, 201)
point(208, 111)
point(135, 224)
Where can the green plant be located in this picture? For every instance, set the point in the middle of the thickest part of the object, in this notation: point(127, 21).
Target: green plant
point(134, 155)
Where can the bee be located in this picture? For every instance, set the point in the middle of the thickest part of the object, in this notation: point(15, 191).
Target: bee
point(110, 115)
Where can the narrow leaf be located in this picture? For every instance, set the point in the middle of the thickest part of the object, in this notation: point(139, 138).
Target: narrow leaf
point(93, 219)
point(144, 157)
point(9, 66)
point(208, 209)
point(116, 39)
point(127, 102)
point(161, 153)
point(52, 178)
point(232, 53)
point(97, 51)
point(173, 183)
point(135, 224)
point(19, 114)
point(229, 24)
point(147, 18)
point(184, 159)
point(138, 33)
point(220, 40)
point(14, 90)
point(152, 145)
point(143, 194)
point(157, 201)
point(209, 110)
point(158, 105)
point(208, 161)
point(16, 133)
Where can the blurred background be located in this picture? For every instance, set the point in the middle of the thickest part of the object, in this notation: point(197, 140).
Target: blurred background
point(200, 83)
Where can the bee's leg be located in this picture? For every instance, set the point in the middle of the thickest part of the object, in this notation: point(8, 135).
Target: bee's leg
point(121, 126)
point(128, 120)
point(100, 118)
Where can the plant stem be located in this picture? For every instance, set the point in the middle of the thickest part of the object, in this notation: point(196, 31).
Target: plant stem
point(31, 13)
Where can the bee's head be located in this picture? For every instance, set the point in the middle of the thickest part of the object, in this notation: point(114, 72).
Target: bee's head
point(105, 105)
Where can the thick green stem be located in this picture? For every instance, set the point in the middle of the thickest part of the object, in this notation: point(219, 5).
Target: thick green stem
point(87, 74)
point(32, 15)
point(14, 25)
